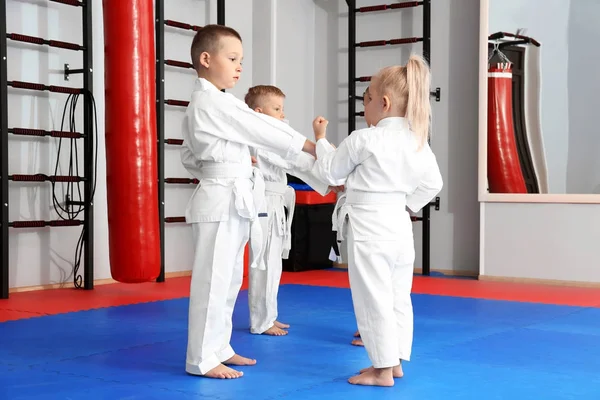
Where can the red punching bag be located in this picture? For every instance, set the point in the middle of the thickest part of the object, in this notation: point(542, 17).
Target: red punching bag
point(131, 169)
point(504, 167)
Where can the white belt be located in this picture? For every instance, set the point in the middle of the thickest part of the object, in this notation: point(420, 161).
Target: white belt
point(339, 218)
point(289, 202)
point(275, 187)
point(359, 197)
point(247, 202)
point(214, 170)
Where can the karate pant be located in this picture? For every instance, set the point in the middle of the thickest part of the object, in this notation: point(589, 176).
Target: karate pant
point(381, 283)
point(263, 287)
point(217, 276)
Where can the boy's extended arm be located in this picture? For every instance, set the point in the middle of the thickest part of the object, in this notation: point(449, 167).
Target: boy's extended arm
point(234, 121)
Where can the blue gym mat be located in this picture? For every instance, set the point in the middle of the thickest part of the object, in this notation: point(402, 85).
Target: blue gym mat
point(464, 349)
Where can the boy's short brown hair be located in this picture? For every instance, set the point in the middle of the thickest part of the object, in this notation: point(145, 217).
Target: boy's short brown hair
point(257, 93)
point(208, 39)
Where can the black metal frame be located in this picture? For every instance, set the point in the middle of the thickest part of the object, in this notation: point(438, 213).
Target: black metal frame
point(426, 218)
point(220, 12)
point(352, 97)
point(3, 153)
point(351, 65)
point(159, 19)
point(160, 23)
point(88, 144)
point(88, 140)
point(516, 39)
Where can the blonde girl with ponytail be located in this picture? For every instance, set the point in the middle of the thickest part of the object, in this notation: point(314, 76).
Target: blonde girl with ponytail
point(388, 167)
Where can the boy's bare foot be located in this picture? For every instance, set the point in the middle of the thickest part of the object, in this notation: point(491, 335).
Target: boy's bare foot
point(275, 331)
point(374, 377)
point(281, 325)
point(223, 372)
point(397, 371)
point(357, 334)
point(239, 360)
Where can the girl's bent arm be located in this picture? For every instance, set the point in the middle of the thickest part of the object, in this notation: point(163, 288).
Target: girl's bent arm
point(336, 165)
point(431, 184)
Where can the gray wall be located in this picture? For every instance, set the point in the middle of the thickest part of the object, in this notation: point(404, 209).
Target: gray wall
point(583, 166)
point(455, 49)
point(541, 241)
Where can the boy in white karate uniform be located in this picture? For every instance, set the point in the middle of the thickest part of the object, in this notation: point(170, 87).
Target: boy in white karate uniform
point(223, 210)
point(388, 166)
point(264, 284)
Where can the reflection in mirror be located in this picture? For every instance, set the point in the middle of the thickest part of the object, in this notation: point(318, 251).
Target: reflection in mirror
point(542, 97)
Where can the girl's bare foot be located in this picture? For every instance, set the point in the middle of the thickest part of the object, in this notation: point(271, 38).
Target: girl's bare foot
point(357, 342)
point(275, 331)
point(239, 360)
point(374, 377)
point(397, 371)
point(223, 372)
point(281, 325)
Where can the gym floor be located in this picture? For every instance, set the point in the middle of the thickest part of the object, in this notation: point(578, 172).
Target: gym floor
point(473, 340)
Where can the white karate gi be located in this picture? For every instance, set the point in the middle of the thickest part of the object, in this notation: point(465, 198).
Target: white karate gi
point(385, 173)
point(217, 132)
point(264, 284)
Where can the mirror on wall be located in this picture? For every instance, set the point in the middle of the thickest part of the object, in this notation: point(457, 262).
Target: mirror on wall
point(542, 134)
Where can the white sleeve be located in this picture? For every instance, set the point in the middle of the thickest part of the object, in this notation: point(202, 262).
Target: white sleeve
point(232, 120)
point(306, 168)
point(336, 164)
point(190, 162)
point(275, 160)
point(311, 172)
point(431, 184)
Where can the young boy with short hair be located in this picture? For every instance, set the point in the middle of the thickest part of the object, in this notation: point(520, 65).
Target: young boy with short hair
point(264, 284)
point(223, 210)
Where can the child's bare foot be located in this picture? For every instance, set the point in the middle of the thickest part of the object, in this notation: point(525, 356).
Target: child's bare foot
point(223, 372)
point(397, 371)
point(275, 331)
point(281, 325)
point(239, 360)
point(374, 377)
point(357, 342)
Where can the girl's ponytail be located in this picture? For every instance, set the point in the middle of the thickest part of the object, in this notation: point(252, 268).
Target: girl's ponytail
point(418, 108)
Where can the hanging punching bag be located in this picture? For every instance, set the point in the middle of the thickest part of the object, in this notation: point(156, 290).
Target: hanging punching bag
point(131, 169)
point(504, 167)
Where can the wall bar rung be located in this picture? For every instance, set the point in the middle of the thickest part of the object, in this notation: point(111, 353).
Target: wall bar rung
point(41, 41)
